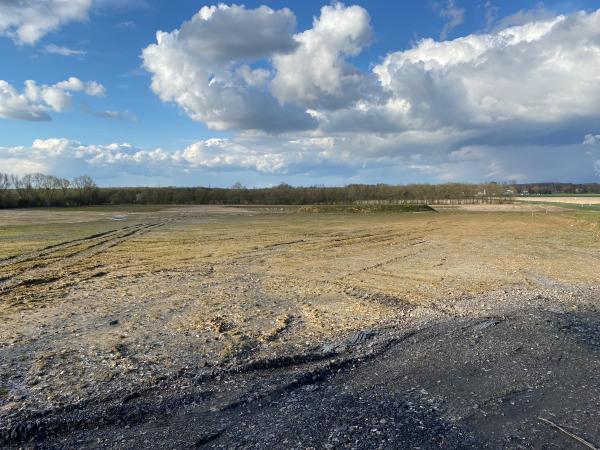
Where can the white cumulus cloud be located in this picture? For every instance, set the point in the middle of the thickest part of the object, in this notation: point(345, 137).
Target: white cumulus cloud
point(441, 108)
point(91, 88)
point(526, 76)
point(316, 73)
point(225, 154)
point(203, 68)
point(27, 21)
point(523, 78)
point(36, 100)
point(15, 105)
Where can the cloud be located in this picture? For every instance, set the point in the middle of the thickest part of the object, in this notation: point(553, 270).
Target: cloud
point(212, 75)
point(16, 166)
point(535, 83)
point(526, 78)
point(27, 21)
point(134, 73)
point(591, 139)
point(478, 102)
point(36, 100)
point(258, 33)
point(469, 153)
point(15, 105)
point(533, 79)
point(111, 6)
point(524, 16)
point(262, 160)
point(118, 115)
point(454, 15)
point(91, 88)
point(127, 24)
point(491, 13)
point(200, 67)
point(316, 74)
point(257, 154)
point(512, 102)
point(51, 147)
point(109, 114)
point(226, 155)
point(63, 51)
point(213, 154)
point(535, 163)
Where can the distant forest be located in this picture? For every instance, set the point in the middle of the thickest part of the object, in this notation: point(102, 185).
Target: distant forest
point(47, 190)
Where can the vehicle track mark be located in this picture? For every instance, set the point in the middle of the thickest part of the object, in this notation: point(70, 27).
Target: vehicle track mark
point(51, 269)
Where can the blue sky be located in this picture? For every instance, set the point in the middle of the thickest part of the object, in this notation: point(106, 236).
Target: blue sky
point(349, 93)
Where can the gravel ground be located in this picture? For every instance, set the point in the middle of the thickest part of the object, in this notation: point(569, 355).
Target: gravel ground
point(478, 374)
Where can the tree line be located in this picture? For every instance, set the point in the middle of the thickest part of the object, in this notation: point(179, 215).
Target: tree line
point(558, 188)
point(47, 190)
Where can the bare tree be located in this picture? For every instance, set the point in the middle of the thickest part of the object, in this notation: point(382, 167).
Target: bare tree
point(4, 187)
point(86, 188)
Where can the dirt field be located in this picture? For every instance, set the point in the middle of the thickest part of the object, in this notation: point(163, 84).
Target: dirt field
point(585, 200)
point(204, 326)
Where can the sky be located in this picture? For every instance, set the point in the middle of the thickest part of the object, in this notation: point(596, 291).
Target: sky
point(188, 93)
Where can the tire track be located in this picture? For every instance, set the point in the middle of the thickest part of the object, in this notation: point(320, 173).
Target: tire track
point(48, 270)
point(60, 246)
point(326, 242)
point(417, 241)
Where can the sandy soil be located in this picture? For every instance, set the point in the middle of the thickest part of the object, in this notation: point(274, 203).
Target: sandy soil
point(572, 200)
point(106, 332)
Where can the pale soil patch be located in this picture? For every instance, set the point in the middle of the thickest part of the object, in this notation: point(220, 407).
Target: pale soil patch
point(507, 207)
point(31, 216)
point(573, 200)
